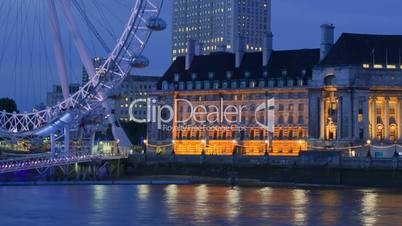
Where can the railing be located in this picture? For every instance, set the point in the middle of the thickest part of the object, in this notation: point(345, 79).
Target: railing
point(49, 160)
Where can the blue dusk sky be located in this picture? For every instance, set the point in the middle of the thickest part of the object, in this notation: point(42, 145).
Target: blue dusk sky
point(296, 24)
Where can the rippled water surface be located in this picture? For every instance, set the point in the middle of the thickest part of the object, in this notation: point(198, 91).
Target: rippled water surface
point(196, 204)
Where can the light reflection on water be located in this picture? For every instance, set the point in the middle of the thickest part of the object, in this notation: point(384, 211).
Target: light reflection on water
point(369, 206)
point(201, 210)
point(197, 204)
point(300, 201)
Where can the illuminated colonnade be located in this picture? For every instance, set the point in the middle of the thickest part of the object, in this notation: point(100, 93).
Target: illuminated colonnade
point(203, 133)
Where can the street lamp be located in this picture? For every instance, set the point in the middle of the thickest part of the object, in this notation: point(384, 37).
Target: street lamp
point(266, 147)
point(300, 144)
point(145, 141)
point(369, 145)
point(204, 142)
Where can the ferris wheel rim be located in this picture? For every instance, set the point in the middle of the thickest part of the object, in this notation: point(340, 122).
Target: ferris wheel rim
point(25, 124)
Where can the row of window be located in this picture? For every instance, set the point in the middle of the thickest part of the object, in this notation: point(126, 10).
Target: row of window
point(198, 85)
point(281, 107)
point(291, 134)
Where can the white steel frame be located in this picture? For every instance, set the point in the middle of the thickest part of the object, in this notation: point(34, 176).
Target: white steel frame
point(90, 96)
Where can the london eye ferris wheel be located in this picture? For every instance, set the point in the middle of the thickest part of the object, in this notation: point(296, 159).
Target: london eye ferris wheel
point(43, 42)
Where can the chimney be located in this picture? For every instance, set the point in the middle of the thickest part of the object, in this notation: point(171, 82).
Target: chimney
point(267, 51)
point(190, 52)
point(327, 40)
point(199, 49)
point(240, 50)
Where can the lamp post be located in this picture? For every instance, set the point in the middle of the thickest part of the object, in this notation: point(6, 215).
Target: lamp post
point(300, 144)
point(204, 142)
point(266, 146)
point(369, 150)
point(236, 145)
point(145, 146)
point(173, 151)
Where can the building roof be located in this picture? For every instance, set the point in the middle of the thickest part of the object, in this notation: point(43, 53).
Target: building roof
point(358, 49)
point(296, 63)
point(350, 49)
point(143, 78)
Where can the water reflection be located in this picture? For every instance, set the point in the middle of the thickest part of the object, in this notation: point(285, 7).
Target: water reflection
point(330, 201)
point(300, 200)
point(232, 203)
point(99, 197)
point(369, 207)
point(171, 198)
point(143, 191)
point(265, 195)
point(197, 205)
point(201, 210)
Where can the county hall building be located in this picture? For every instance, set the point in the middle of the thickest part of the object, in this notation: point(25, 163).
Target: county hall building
point(345, 93)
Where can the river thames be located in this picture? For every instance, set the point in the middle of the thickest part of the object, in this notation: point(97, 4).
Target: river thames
point(197, 205)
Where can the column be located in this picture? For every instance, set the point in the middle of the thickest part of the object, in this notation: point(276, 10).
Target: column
point(386, 121)
point(366, 123)
point(399, 110)
point(339, 120)
point(52, 144)
point(322, 118)
point(66, 138)
point(348, 114)
point(374, 119)
point(355, 121)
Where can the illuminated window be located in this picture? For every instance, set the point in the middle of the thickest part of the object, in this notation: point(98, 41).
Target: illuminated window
point(366, 65)
point(391, 66)
point(378, 66)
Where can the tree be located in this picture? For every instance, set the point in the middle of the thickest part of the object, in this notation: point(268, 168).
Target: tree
point(8, 105)
point(136, 132)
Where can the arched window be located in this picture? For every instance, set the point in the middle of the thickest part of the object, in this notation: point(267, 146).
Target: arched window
point(281, 120)
point(300, 133)
point(165, 85)
point(290, 119)
point(290, 134)
point(280, 134)
point(300, 120)
point(215, 135)
point(252, 135)
point(242, 135)
point(329, 80)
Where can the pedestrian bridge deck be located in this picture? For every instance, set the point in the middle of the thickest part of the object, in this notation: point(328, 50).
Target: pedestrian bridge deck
point(46, 160)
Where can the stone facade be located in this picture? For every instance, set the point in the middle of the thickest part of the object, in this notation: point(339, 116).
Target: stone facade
point(344, 94)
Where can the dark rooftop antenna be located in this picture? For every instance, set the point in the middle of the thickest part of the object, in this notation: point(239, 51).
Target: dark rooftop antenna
point(386, 57)
point(400, 59)
point(373, 55)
